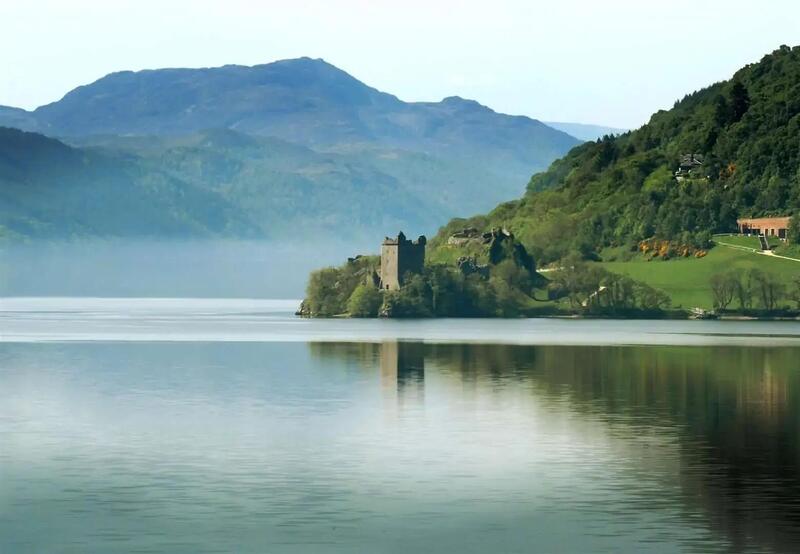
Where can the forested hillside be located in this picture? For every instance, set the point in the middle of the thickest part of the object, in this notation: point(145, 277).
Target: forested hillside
point(218, 183)
point(49, 189)
point(621, 190)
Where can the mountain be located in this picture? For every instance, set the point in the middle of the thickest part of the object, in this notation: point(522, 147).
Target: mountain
point(624, 189)
point(585, 131)
point(50, 189)
point(299, 144)
point(305, 101)
point(16, 117)
point(286, 188)
point(221, 183)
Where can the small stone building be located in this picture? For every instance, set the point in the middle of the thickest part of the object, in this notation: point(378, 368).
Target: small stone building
point(691, 165)
point(766, 226)
point(400, 257)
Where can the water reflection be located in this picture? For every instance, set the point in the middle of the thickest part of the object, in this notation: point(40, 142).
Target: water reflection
point(397, 447)
point(731, 415)
point(403, 371)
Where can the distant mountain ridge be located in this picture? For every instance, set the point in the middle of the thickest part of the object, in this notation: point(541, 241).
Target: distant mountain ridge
point(291, 145)
point(586, 131)
point(307, 101)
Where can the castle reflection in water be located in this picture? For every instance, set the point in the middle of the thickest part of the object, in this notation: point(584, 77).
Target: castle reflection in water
point(729, 414)
point(403, 370)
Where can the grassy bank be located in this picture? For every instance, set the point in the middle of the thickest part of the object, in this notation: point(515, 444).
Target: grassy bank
point(686, 280)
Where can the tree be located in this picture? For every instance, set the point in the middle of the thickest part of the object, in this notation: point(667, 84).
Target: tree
point(322, 295)
point(722, 112)
point(724, 287)
point(447, 291)
point(574, 281)
point(599, 291)
point(743, 290)
point(740, 101)
point(329, 289)
point(793, 235)
point(769, 290)
point(505, 301)
point(365, 301)
point(652, 299)
point(414, 298)
point(514, 275)
point(795, 292)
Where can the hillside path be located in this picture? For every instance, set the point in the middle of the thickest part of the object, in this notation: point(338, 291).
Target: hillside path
point(758, 252)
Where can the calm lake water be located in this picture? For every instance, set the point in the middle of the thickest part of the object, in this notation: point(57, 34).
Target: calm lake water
point(229, 426)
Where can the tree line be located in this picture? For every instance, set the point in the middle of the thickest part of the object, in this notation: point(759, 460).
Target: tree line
point(753, 290)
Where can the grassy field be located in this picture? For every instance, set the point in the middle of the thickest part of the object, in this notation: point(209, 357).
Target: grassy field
point(686, 280)
point(747, 242)
point(779, 247)
point(789, 250)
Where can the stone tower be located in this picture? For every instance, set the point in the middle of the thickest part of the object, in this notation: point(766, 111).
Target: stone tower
point(398, 257)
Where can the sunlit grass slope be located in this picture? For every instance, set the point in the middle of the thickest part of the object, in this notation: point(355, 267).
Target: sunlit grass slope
point(686, 280)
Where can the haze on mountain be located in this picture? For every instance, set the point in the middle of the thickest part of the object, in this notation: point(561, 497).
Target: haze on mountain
point(296, 146)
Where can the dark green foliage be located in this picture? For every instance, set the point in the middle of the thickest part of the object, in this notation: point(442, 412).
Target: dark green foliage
point(330, 289)
point(325, 296)
point(793, 234)
point(445, 292)
point(365, 301)
point(503, 249)
point(414, 299)
point(620, 190)
point(593, 290)
point(442, 290)
point(508, 289)
point(740, 102)
point(753, 289)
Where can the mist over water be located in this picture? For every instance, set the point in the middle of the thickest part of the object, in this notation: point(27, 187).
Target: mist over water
point(174, 268)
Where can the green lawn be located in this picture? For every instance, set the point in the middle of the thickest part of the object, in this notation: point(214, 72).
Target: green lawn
point(686, 280)
point(747, 242)
point(789, 250)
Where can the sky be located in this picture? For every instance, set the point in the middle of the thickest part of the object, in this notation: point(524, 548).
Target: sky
point(604, 62)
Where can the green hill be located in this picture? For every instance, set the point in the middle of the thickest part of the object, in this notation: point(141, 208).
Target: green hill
point(687, 280)
point(620, 190)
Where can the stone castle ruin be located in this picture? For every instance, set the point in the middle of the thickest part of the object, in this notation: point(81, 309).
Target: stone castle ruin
point(400, 257)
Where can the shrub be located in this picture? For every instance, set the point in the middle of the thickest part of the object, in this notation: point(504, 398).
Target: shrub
point(365, 301)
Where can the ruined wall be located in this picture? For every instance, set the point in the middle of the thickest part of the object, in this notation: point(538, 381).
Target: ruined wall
point(389, 266)
point(399, 257)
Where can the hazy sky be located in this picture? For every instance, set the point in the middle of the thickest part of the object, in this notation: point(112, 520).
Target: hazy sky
point(608, 62)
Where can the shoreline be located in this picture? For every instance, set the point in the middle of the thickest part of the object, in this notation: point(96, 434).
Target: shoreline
point(587, 317)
